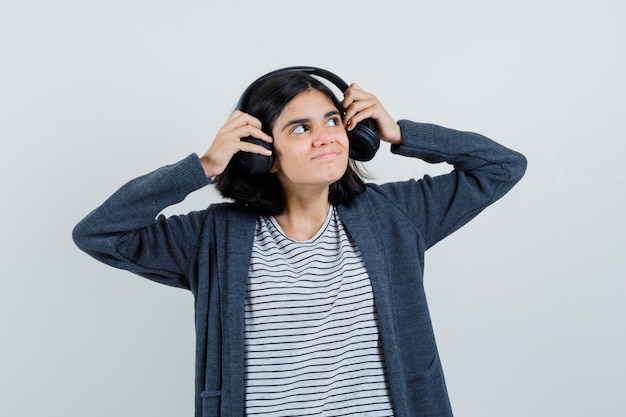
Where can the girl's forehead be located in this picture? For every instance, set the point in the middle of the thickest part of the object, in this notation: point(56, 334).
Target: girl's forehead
point(308, 98)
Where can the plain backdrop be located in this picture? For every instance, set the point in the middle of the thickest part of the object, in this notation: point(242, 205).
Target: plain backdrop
point(527, 299)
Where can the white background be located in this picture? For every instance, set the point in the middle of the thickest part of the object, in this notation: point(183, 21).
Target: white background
point(527, 300)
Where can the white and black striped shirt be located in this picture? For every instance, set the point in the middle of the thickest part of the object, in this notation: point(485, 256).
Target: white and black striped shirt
point(312, 346)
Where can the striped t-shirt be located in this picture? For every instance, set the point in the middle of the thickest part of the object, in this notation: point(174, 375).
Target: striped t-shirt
point(312, 346)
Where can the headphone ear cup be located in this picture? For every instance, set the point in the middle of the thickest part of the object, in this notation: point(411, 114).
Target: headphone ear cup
point(254, 164)
point(364, 140)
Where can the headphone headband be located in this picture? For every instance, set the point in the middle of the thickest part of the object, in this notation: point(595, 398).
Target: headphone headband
point(320, 72)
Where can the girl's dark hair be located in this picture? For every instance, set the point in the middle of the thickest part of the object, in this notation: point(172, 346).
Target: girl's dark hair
point(264, 192)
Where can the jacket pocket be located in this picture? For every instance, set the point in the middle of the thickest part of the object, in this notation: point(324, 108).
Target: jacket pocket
point(427, 392)
point(211, 403)
point(429, 371)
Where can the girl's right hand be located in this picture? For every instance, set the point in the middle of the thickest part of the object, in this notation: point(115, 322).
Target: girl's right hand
point(228, 142)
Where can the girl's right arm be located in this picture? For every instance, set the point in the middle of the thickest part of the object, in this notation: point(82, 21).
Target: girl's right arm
point(126, 233)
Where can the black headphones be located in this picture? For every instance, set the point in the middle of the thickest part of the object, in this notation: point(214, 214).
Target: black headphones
point(364, 139)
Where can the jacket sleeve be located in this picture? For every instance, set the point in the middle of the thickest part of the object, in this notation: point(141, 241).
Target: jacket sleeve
point(483, 172)
point(126, 233)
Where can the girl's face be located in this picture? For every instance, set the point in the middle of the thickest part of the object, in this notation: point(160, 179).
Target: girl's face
point(310, 142)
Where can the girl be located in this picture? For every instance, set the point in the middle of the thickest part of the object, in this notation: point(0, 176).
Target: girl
point(308, 286)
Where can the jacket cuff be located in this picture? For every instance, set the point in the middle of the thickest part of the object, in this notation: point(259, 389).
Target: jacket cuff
point(415, 135)
point(188, 174)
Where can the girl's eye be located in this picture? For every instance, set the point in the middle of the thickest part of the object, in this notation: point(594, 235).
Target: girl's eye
point(299, 129)
point(333, 121)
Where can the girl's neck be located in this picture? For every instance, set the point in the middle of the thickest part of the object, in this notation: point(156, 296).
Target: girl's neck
point(303, 218)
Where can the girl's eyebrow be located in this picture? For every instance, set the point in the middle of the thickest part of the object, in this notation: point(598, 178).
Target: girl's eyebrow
point(308, 120)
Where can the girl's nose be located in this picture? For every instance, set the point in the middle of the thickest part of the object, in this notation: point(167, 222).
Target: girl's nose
point(322, 137)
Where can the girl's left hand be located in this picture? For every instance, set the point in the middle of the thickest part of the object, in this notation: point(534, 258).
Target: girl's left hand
point(361, 105)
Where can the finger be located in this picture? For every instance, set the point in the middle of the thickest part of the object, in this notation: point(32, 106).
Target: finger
point(253, 148)
point(356, 100)
point(359, 111)
point(250, 130)
point(353, 93)
point(239, 118)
